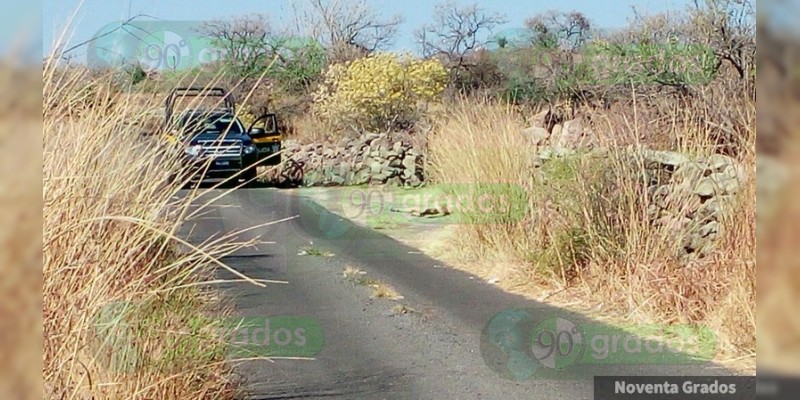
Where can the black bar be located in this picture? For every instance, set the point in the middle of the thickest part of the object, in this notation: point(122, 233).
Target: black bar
point(777, 387)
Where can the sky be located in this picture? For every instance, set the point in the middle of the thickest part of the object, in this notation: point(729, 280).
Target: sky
point(19, 23)
point(75, 21)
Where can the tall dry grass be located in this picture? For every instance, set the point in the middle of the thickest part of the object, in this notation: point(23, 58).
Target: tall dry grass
point(126, 312)
point(481, 142)
point(778, 344)
point(587, 234)
point(20, 240)
point(779, 271)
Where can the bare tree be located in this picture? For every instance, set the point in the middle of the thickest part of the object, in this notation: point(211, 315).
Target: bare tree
point(246, 43)
point(250, 47)
point(558, 39)
point(652, 29)
point(559, 30)
point(343, 25)
point(729, 28)
point(456, 32)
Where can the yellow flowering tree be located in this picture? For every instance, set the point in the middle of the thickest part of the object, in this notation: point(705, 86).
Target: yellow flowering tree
point(379, 91)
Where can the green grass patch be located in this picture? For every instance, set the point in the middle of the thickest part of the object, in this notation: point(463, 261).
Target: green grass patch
point(168, 333)
point(314, 252)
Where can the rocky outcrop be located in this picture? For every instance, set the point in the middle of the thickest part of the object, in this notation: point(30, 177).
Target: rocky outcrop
point(372, 158)
point(549, 129)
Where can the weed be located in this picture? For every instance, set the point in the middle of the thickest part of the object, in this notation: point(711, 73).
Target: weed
point(110, 237)
point(314, 252)
point(403, 309)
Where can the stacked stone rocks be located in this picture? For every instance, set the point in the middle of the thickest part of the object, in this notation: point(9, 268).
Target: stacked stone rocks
point(692, 196)
point(372, 158)
point(688, 196)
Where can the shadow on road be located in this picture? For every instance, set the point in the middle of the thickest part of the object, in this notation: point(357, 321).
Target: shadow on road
point(510, 323)
point(508, 344)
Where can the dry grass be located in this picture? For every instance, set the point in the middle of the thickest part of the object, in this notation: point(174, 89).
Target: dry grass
point(402, 309)
point(779, 282)
point(20, 237)
point(483, 143)
point(719, 291)
point(380, 289)
point(587, 235)
point(778, 345)
point(110, 244)
point(308, 128)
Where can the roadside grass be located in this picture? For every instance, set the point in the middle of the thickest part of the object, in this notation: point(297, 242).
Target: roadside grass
point(128, 336)
point(481, 143)
point(586, 235)
point(20, 236)
point(126, 314)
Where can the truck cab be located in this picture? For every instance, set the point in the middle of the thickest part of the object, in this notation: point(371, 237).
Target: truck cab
point(216, 146)
point(214, 141)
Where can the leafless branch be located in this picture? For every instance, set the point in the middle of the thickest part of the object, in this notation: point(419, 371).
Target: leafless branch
point(456, 32)
point(246, 42)
point(567, 31)
point(348, 24)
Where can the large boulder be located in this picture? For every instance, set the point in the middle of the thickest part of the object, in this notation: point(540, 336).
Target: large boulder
point(570, 136)
point(540, 119)
point(536, 135)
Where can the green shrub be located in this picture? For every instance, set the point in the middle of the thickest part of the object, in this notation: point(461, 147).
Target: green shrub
point(301, 66)
point(670, 63)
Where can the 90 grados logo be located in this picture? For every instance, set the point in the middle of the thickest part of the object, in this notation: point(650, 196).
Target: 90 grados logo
point(521, 344)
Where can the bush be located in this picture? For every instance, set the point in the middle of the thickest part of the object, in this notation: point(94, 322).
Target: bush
point(480, 74)
point(301, 66)
point(379, 92)
point(668, 64)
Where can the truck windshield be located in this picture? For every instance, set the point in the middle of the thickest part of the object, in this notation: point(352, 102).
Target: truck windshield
point(210, 124)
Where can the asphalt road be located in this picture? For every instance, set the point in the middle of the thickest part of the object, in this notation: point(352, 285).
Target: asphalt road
point(440, 348)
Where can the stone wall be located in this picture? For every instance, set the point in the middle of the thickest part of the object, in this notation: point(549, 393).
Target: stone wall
point(689, 197)
point(372, 158)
